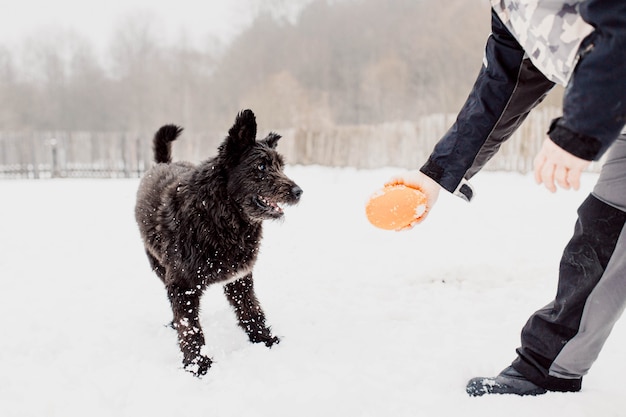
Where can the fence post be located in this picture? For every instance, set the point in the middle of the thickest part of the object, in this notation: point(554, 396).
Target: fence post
point(55, 158)
point(125, 159)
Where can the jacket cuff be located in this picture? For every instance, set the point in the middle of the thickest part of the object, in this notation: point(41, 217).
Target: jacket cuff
point(433, 170)
point(582, 146)
point(463, 190)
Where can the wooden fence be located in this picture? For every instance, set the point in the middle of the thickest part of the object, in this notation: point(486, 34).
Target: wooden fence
point(129, 154)
point(86, 154)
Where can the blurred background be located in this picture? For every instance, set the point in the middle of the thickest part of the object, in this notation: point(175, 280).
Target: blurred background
point(361, 83)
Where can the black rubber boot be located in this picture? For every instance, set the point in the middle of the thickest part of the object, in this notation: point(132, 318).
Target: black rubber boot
point(509, 381)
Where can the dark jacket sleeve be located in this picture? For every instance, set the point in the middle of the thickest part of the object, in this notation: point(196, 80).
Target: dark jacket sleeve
point(594, 106)
point(506, 89)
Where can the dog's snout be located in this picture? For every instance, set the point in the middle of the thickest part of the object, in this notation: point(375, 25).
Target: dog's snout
point(296, 192)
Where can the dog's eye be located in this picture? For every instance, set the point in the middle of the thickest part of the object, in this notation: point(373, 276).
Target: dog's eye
point(262, 167)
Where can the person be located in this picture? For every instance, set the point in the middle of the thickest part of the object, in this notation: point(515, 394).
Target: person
point(533, 45)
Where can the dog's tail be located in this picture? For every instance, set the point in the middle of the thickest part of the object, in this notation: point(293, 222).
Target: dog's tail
point(163, 139)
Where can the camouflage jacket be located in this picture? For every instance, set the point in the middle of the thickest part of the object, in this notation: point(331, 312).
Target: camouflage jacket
point(533, 44)
point(549, 31)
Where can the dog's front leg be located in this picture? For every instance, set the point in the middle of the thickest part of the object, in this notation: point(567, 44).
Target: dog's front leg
point(185, 306)
point(251, 318)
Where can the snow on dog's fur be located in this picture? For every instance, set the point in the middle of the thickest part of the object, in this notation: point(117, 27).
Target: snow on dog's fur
point(203, 224)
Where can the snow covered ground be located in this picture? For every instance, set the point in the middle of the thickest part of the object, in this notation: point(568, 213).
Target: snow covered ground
point(373, 323)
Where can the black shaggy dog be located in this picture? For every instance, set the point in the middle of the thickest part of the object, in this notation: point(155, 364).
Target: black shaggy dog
point(202, 225)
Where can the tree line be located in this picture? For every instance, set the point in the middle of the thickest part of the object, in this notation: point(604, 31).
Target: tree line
point(339, 65)
point(346, 62)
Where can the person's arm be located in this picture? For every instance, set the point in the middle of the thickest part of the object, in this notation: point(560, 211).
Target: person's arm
point(594, 105)
point(507, 88)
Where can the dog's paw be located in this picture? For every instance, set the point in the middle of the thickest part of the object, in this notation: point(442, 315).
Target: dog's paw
point(265, 338)
point(198, 366)
point(271, 342)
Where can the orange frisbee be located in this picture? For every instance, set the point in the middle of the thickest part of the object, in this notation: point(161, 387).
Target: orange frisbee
point(395, 207)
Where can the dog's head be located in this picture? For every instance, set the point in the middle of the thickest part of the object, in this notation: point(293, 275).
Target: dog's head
point(254, 169)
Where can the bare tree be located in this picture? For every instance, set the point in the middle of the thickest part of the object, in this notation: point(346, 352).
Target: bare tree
point(137, 69)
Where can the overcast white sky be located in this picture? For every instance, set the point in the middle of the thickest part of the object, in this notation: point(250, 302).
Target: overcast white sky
point(96, 19)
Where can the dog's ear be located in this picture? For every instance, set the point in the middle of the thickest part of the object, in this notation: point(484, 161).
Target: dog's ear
point(241, 136)
point(244, 129)
point(271, 140)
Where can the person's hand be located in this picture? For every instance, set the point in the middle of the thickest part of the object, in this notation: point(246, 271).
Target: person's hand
point(553, 163)
point(422, 182)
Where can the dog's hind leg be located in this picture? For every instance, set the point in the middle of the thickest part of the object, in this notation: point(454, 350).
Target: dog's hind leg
point(185, 306)
point(251, 318)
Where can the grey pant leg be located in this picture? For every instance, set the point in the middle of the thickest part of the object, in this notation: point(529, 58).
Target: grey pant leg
point(603, 308)
point(607, 301)
point(611, 186)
